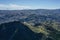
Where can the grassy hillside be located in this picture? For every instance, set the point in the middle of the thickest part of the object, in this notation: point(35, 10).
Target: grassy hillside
point(50, 30)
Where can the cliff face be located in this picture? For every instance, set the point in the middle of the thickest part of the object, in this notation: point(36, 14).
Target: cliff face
point(17, 31)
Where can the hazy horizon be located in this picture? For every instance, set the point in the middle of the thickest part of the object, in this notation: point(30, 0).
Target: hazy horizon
point(29, 4)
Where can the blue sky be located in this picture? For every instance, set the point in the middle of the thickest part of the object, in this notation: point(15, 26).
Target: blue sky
point(29, 4)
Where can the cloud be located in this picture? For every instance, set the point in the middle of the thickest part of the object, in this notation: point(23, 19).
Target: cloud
point(13, 7)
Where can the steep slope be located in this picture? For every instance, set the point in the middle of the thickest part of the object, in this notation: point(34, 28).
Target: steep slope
point(17, 31)
point(50, 31)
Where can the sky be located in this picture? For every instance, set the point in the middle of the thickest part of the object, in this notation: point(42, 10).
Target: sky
point(29, 4)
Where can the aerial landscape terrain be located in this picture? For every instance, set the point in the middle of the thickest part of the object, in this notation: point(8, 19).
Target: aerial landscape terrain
point(39, 24)
point(29, 19)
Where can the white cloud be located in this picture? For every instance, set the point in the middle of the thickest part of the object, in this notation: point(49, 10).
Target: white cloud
point(13, 7)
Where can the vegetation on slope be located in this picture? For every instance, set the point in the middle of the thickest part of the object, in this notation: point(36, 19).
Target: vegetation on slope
point(50, 29)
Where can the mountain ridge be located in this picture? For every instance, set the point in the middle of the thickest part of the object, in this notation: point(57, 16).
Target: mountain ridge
point(17, 31)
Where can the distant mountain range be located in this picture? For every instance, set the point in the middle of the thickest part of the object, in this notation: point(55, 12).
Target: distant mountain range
point(27, 15)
